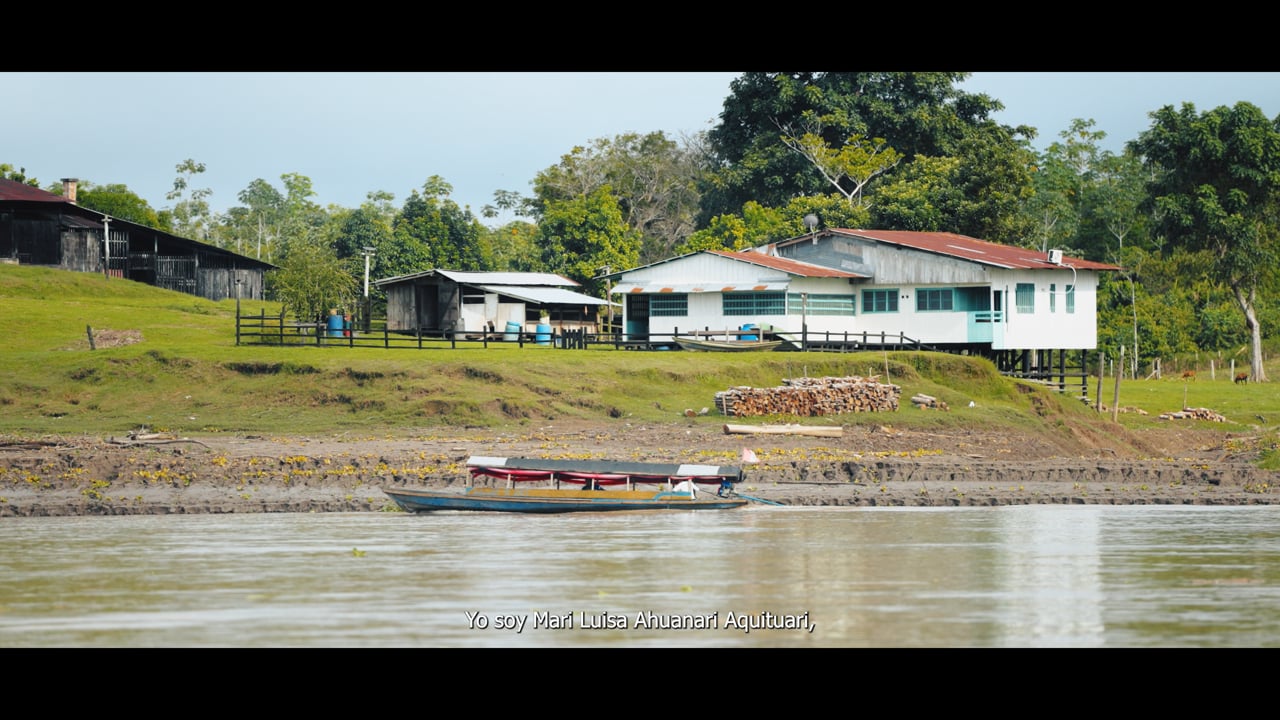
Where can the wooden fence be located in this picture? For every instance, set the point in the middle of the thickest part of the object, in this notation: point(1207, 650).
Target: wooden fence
point(278, 330)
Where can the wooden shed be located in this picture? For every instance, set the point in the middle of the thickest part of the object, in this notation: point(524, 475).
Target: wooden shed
point(438, 301)
point(42, 228)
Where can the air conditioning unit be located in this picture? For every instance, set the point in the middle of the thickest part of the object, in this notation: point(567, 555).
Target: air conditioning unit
point(1055, 257)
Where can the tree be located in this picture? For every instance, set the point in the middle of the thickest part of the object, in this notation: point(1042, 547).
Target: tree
point(119, 202)
point(192, 217)
point(1114, 199)
point(918, 114)
point(924, 197)
point(259, 225)
point(850, 168)
point(8, 172)
point(310, 280)
point(994, 180)
point(508, 201)
point(1216, 182)
point(514, 247)
point(758, 225)
point(355, 234)
point(653, 178)
point(433, 231)
point(582, 235)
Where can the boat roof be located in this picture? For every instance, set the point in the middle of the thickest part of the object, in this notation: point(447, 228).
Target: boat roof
point(609, 467)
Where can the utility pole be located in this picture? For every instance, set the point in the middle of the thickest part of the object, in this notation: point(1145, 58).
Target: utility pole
point(608, 293)
point(106, 246)
point(369, 252)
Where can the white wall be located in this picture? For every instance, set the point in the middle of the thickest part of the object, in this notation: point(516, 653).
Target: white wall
point(1043, 330)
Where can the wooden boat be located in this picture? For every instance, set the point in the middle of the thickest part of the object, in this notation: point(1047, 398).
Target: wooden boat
point(595, 486)
point(727, 345)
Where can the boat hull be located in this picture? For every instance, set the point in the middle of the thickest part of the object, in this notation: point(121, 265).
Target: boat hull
point(729, 345)
point(521, 500)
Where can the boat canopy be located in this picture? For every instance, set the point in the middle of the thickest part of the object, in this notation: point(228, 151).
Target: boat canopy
point(603, 472)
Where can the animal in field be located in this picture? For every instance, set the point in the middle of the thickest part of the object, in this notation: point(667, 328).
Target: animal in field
point(1242, 377)
point(1188, 374)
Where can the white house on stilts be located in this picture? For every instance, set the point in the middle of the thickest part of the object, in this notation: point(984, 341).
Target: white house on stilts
point(862, 289)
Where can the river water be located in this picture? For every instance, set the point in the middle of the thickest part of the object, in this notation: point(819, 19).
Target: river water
point(1015, 576)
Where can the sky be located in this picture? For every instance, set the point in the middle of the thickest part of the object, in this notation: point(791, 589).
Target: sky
point(353, 133)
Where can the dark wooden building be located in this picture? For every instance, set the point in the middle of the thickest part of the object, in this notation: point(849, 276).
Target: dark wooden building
point(41, 228)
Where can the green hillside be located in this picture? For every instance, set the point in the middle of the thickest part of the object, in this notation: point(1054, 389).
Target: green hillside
point(168, 361)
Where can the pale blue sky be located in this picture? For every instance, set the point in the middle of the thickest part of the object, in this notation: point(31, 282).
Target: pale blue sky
point(353, 133)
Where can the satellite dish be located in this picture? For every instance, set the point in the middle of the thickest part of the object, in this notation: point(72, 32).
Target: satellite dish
point(811, 221)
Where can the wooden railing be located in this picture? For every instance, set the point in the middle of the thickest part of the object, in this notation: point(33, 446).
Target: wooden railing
point(278, 330)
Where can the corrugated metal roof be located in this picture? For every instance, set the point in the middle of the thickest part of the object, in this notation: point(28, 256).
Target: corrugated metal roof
point(14, 190)
point(544, 295)
point(76, 221)
point(967, 248)
point(510, 278)
point(488, 278)
point(77, 216)
point(794, 267)
point(787, 265)
point(658, 288)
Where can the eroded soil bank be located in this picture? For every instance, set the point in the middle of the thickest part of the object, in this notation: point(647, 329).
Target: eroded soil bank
point(867, 466)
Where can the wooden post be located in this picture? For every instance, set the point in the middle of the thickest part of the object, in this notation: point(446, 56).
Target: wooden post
point(89, 331)
point(1102, 367)
point(1115, 397)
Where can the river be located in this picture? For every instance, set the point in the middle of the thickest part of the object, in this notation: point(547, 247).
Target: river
point(1004, 577)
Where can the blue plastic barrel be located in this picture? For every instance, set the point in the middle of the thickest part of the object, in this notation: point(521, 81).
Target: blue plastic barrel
point(335, 326)
point(513, 331)
point(750, 326)
point(542, 334)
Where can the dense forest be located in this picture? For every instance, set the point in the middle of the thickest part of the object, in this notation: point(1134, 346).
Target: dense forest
point(1188, 210)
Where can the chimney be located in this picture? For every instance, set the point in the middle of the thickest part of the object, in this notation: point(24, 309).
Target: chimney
point(69, 189)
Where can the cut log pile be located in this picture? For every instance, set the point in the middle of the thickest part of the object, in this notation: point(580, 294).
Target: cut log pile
point(1193, 414)
point(928, 402)
point(811, 397)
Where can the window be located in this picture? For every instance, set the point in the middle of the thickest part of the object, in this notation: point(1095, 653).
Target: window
point(674, 305)
point(816, 304)
point(879, 301)
point(934, 299)
point(754, 303)
point(1025, 298)
point(1053, 297)
point(1071, 298)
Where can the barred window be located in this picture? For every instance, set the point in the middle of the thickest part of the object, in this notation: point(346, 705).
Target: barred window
point(673, 305)
point(1026, 297)
point(753, 303)
point(879, 301)
point(934, 299)
point(815, 304)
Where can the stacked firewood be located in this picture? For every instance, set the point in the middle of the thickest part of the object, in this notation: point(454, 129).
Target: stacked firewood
point(811, 397)
point(1193, 414)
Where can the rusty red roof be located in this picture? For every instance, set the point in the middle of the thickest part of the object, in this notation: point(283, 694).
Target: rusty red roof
point(14, 190)
point(967, 248)
point(787, 265)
